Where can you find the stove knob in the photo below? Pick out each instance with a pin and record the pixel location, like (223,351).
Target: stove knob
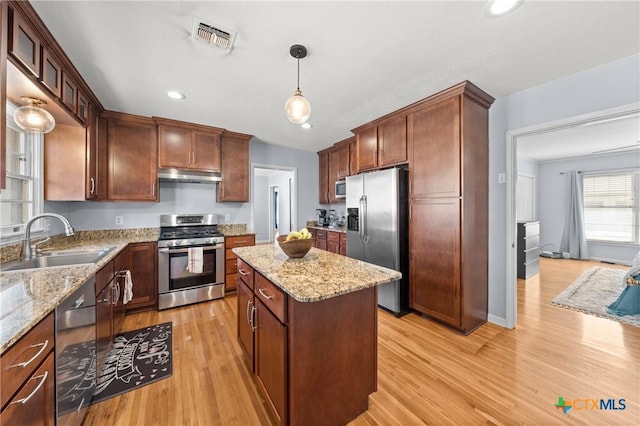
(170,243)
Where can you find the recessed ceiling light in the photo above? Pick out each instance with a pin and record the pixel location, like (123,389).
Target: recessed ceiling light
(174,94)
(306,125)
(501,7)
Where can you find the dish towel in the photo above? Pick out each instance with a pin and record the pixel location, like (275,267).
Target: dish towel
(194,260)
(128,287)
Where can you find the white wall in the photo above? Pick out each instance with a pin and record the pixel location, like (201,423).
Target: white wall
(555,199)
(606,86)
(178,198)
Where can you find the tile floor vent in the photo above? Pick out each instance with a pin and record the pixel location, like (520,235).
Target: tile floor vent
(212,35)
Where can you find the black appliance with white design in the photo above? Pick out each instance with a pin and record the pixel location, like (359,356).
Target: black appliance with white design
(178,284)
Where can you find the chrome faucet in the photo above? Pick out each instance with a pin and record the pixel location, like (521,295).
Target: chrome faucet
(26,253)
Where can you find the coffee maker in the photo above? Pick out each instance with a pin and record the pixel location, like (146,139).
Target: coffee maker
(321,219)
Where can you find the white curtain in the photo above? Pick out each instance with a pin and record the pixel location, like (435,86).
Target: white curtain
(573,240)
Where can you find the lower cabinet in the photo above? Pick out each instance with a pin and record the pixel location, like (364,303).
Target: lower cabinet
(142,260)
(230,270)
(333,241)
(27,391)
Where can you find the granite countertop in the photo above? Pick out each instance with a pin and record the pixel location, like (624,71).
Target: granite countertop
(318,276)
(30,295)
(342,229)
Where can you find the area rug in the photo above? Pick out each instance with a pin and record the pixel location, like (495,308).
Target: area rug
(593,292)
(137,358)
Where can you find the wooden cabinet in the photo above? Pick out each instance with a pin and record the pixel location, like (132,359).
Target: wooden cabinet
(382,143)
(105,293)
(24,43)
(282,338)
(51,73)
(323,177)
(448,241)
(27,391)
(528,249)
(343,243)
(82,109)
(188,146)
(69,92)
(3,94)
(321,239)
(333,241)
(141,259)
(230,268)
(234,152)
(132,152)
(74,162)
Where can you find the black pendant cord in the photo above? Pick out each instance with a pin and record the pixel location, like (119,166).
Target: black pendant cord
(298,69)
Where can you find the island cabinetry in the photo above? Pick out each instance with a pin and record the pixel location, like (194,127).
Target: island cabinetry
(188,146)
(449,166)
(234,152)
(230,264)
(312,364)
(382,143)
(27,390)
(132,158)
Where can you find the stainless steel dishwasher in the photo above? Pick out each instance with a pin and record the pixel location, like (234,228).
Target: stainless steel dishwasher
(76,354)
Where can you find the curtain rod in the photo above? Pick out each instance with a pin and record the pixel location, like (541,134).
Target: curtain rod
(604,171)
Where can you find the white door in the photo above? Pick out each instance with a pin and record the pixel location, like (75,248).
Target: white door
(525,199)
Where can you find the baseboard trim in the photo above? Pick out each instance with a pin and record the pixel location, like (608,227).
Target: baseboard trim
(616,261)
(502,322)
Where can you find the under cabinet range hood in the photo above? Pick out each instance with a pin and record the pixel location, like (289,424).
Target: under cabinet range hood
(188,176)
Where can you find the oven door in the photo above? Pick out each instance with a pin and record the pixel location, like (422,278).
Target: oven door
(173,274)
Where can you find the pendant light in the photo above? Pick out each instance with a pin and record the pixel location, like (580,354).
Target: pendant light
(32,118)
(297,108)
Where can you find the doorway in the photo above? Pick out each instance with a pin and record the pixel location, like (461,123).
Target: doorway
(274,201)
(513,136)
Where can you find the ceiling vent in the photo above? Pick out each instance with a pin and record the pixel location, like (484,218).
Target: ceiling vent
(212,35)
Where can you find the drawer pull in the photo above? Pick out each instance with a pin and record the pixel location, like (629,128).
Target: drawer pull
(243,272)
(24,364)
(241,242)
(28,397)
(265,295)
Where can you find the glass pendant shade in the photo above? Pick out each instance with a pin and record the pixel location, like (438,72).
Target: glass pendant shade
(34,119)
(297,108)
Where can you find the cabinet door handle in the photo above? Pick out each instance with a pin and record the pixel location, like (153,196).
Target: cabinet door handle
(265,295)
(153,189)
(28,397)
(93,186)
(193,157)
(24,364)
(253,317)
(243,272)
(247,313)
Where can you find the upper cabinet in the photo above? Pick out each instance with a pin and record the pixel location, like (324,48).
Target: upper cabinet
(51,73)
(334,164)
(188,146)
(132,148)
(24,43)
(382,143)
(234,151)
(323,176)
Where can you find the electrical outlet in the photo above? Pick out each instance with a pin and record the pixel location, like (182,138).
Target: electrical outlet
(502,178)
(227,218)
(119,220)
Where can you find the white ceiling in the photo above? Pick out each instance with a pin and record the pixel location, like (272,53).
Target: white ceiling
(365,59)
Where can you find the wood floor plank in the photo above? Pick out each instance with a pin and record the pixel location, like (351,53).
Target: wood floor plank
(427,373)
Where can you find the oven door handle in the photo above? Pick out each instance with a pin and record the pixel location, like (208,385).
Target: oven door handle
(185,250)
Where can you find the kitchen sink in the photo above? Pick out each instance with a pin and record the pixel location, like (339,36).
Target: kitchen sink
(59,258)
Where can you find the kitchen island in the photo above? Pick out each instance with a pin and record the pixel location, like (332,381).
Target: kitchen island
(308,328)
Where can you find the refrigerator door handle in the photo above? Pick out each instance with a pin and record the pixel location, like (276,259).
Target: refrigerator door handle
(362,212)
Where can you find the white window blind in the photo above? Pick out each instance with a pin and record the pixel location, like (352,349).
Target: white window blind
(611,207)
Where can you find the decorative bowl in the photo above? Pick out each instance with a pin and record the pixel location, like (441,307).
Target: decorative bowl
(295,248)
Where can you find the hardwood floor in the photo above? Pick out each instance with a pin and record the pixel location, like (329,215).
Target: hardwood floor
(427,374)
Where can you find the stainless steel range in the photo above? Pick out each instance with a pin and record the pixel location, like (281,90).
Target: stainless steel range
(190,260)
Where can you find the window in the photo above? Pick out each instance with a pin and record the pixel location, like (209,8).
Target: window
(22,198)
(611,207)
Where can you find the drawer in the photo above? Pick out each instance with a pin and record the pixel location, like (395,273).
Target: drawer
(239,241)
(231,266)
(531,254)
(321,234)
(530,269)
(343,239)
(230,282)
(272,297)
(333,237)
(245,273)
(531,242)
(229,254)
(23,357)
(531,229)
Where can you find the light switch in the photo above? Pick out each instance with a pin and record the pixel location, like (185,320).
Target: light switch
(119,220)
(227,218)
(502,178)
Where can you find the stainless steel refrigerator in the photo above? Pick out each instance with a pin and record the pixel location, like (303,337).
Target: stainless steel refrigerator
(377,229)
